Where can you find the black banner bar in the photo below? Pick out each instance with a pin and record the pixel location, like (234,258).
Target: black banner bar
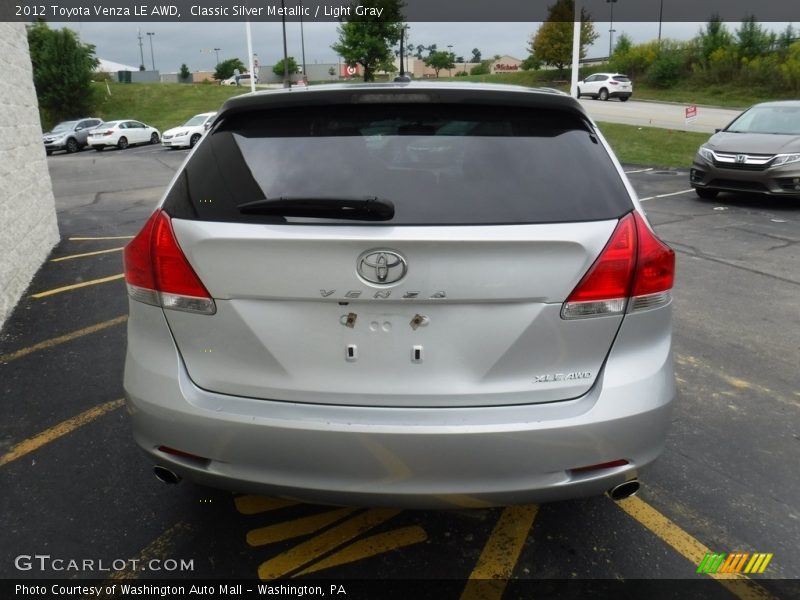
(75,11)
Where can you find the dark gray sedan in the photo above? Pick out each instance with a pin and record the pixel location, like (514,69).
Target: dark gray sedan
(758,152)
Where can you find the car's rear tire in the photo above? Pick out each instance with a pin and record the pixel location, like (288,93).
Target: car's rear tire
(122,143)
(72,145)
(623,98)
(706,193)
(603,94)
(154,138)
(193,140)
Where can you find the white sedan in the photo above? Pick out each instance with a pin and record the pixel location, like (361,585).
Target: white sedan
(188,134)
(122,134)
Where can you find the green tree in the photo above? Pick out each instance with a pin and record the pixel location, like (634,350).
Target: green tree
(185,74)
(787,37)
(226,68)
(532,63)
(484,68)
(369,40)
(439,60)
(62,73)
(476,56)
(752,40)
(293,66)
(623,45)
(552,42)
(715,37)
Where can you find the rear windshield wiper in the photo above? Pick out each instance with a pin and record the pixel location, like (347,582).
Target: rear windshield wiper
(361,209)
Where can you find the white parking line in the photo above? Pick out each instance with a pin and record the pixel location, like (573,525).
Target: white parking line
(666,195)
(639,171)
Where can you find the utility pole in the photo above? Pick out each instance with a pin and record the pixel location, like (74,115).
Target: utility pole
(141,52)
(150,34)
(286,82)
(216,51)
(611,28)
(303,44)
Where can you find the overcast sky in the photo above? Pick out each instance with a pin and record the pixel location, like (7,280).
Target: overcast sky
(192,43)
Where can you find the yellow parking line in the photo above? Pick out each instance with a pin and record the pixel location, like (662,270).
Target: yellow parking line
(690,548)
(304,553)
(500,554)
(114,237)
(252,505)
(67,337)
(95,253)
(76,286)
(371,546)
(296,527)
(57,431)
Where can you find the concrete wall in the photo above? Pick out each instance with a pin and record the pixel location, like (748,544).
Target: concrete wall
(28,228)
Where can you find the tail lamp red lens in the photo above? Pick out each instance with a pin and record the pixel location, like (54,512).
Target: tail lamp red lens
(633,264)
(157,272)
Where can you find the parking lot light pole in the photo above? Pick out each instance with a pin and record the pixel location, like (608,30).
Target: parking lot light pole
(150,34)
(611,28)
(216,51)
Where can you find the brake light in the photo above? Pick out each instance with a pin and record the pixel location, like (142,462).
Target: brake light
(157,272)
(109,132)
(614,82)
(634,265)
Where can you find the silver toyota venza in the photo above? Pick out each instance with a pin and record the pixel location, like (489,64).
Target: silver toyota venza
(401,294)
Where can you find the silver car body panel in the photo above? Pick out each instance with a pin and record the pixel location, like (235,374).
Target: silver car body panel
(415,457)
(263,390)
(486,342)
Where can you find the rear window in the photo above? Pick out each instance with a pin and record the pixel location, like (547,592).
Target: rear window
(620,78)
(438,164)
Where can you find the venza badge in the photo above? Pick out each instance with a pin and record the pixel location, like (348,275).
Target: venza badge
(381,266)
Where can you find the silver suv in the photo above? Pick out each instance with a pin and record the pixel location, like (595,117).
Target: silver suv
(69,135)
(401,294)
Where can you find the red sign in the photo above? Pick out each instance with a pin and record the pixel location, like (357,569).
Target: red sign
(691,112)
(351,71)
(505,67)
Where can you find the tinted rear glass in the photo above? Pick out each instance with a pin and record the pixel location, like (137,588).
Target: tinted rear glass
(620,78)
(438,164)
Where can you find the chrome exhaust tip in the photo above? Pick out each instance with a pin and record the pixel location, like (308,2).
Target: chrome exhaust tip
(624,490)
(165,475)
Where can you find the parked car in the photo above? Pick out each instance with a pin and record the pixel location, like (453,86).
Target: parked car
(188,134)
(69,135)
(244,79)
(372,294)
(758,152)
(605,86)
(122,134)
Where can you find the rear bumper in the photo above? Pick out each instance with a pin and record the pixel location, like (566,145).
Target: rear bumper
(476,456)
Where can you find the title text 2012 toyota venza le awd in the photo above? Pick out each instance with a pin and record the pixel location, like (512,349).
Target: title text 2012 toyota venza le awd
(402,294)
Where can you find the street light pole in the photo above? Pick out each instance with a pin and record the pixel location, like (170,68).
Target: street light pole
(611,29)
(303,44)
(141,51)
(216,51)
(450,51)
(660,18)
(286,83)
(150,34)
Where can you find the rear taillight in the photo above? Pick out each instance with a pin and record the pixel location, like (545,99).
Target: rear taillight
(635,265)
(158,273)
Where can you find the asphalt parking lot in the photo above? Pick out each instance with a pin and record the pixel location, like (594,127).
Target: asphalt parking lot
(75,486)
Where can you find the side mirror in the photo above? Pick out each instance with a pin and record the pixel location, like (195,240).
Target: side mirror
(717,130)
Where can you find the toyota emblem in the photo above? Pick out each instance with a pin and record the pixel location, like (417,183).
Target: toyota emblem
(381,266)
